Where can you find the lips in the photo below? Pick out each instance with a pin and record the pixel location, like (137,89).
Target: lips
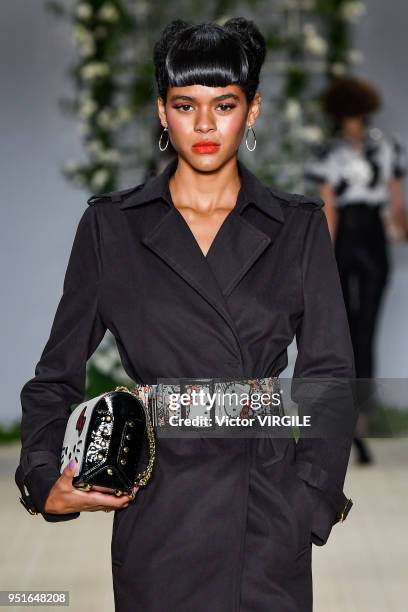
(206,146)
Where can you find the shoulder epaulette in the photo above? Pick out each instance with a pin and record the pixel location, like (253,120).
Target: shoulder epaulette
(112,196)
(310,201)
(297,199)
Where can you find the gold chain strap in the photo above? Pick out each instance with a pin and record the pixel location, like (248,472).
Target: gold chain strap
(143,477)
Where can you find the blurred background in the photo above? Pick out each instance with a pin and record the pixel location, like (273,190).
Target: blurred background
(78,116)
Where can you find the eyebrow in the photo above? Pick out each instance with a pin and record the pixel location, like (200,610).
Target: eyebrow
(191,98)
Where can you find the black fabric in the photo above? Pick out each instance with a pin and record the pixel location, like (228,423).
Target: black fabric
(363,263)
(190,540)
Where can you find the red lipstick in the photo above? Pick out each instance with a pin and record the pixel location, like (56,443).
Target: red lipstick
(206,146)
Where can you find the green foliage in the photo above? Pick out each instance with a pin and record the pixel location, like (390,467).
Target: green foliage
(388,421)
(11,433)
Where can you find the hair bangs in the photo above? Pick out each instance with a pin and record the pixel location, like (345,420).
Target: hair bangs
(212,59)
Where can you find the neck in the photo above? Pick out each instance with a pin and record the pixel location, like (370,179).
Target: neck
(205,190)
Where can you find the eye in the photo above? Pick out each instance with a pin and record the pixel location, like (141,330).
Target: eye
(182,106)
(226,107)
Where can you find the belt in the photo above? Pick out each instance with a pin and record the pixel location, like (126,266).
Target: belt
(212,397)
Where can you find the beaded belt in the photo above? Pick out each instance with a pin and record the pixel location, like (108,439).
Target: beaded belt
(213,397)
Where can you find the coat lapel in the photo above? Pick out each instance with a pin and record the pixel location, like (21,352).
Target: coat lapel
(172,240)
(234,251)
(236,247)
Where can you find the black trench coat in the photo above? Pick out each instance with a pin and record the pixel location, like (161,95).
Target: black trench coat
(225,525)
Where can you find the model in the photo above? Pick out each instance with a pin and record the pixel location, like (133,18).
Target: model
(360,171)
(202,272)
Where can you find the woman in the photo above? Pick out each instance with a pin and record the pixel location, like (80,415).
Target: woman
(360,173)
(201,272)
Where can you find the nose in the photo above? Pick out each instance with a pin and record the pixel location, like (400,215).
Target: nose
(204,121)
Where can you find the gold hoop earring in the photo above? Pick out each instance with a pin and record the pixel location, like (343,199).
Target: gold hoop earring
(246,138)
(160,140)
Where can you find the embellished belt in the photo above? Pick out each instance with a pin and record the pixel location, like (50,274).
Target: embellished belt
(195,397)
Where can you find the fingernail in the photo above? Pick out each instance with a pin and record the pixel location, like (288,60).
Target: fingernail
(71,464)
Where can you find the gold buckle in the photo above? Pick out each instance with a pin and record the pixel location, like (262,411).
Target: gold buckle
(30,510)
(346,510)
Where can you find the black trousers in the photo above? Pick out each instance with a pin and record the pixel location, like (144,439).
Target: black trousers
(363,263)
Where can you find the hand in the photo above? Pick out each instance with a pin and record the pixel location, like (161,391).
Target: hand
(64,498)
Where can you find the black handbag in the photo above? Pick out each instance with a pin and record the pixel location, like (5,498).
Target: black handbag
(108,436)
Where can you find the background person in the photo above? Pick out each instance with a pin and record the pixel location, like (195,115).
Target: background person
(360,173)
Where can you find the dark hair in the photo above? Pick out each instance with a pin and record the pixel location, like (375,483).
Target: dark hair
(348,96)
(209,54)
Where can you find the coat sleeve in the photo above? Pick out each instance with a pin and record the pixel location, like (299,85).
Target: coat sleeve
(323,378)
(60,373)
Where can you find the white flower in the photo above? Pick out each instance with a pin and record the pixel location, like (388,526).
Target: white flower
(104,361)
(95,146)
(314,43)
(87,108)
(311,134)
(338,68)
(87,47)
(107,156)
(93,70)
(355,56)
(123,114)
(71,166)
(80,33)
(99,179)
(108,12)
(112,353)
(222,19)
(84,39)
(292,110)
(104,118)
(352,10)
(84,10)
(110,156)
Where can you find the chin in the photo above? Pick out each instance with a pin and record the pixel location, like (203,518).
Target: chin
(206,163)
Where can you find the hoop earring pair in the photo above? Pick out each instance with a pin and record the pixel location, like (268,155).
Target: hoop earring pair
(246,139)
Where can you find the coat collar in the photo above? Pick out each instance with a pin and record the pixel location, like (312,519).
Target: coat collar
(235,249)
(252,191)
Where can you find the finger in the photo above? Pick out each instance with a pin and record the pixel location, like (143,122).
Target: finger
(69,471)
(96,499)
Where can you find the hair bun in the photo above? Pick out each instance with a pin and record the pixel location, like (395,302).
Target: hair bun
(251,38)
(168,36)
